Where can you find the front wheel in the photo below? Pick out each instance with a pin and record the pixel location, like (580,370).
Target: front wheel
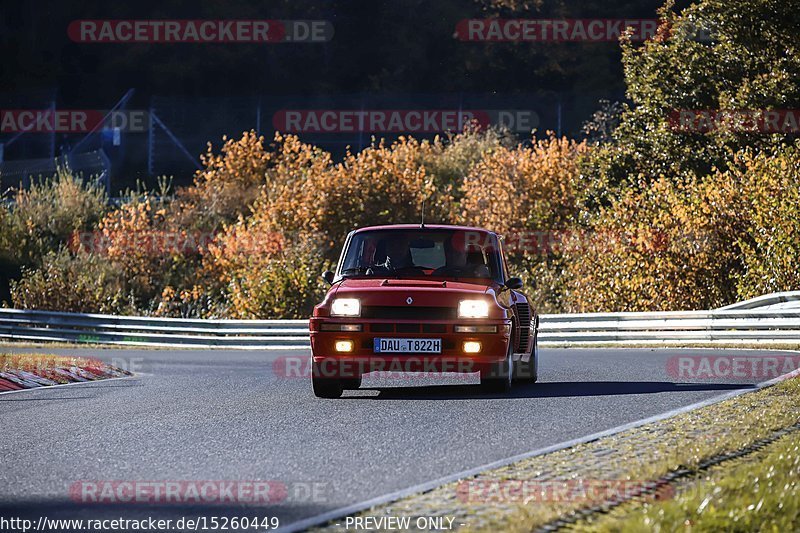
(351,383)
(325,387)
(528,371)
(497,378)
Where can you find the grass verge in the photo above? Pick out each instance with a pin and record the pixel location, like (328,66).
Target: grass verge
(637,456)
(681,442)
(758,493)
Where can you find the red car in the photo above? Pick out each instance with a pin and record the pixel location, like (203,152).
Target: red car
(422,298)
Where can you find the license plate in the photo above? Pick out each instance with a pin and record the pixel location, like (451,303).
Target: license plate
(395,345)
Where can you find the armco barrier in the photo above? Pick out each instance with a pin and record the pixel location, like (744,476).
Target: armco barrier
(28,325)
(721,326)
(679,327)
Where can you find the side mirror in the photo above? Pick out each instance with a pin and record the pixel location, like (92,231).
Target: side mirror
(514,283)
(328,276)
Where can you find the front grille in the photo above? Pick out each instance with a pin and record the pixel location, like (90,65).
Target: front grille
(403,327)
(523,311)
(410,312)
(407,328)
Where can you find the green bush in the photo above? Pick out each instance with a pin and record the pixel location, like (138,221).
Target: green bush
(771,245)
(9,267)
(282,284)
(82,283)
(665,246)
(677,219)
(449,160)
(41,219)
(696,244)
(46,215)
(748,64)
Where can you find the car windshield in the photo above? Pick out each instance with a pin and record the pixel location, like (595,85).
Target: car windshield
(422,253)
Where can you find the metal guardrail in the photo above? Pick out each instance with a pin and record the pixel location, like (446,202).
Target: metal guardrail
(775,300)
(680,327)
(721,326)
(26,325)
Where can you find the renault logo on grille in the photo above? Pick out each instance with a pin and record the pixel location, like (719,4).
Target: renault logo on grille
(409,300)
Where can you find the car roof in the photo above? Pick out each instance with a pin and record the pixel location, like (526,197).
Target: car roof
(426,226)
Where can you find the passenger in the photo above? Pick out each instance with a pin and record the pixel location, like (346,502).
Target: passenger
(475,262)
(456,261)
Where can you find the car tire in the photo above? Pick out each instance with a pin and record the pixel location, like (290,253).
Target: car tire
(498,377)
(351,383)
(325,387)
(528,371)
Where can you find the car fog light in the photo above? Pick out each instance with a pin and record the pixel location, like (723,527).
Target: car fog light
(344,346)
(472,347)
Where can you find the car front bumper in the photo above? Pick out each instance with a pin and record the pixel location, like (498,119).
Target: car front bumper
(363,359)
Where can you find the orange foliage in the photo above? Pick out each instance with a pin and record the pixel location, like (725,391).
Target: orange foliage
(379,185)
(667,246)
(227,185)
(519,188)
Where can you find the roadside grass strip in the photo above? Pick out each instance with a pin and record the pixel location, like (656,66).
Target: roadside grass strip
(759,491)
(30,371)
(643,465)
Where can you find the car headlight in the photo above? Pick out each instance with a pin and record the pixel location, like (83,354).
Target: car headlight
(346,307)
(473,309)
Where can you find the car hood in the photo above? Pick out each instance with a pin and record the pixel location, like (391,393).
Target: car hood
(428,293)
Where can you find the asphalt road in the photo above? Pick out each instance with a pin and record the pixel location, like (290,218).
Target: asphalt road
(226,415)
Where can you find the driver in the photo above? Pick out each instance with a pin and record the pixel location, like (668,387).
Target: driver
(398,255)
(464,261)
(456,260)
